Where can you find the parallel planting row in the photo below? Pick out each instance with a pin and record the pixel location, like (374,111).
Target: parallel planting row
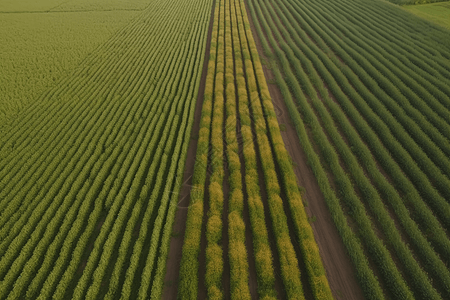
(244,182)
(90,172)
(368,90)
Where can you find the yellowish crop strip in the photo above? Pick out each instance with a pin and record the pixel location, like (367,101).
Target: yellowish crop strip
(214,255)
(188,287)
(236,226)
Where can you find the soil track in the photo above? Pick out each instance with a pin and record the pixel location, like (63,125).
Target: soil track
(179,227)
(340,271)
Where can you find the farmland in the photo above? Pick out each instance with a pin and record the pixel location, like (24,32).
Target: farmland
(223,149)
(373,120)
(438,13)
(240,156)
(38,49)
(89,167)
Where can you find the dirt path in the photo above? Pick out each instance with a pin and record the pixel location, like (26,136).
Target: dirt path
(337,263)
(176,242)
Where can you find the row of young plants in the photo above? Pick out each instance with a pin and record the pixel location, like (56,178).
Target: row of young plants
(158,281)
(159,222)
(170,133)
(294,58)
(412,2)
(100,165)
(237,252)
(163,224)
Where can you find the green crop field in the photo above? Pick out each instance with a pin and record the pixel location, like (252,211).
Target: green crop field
(224,149)
(38,49)
(438,13)
(368,91)
(416,2)
(91,165)
(25,6)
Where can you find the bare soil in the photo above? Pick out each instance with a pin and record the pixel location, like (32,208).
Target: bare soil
(179,227)
(340,271)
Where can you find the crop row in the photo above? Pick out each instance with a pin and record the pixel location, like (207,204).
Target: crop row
(237,252)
